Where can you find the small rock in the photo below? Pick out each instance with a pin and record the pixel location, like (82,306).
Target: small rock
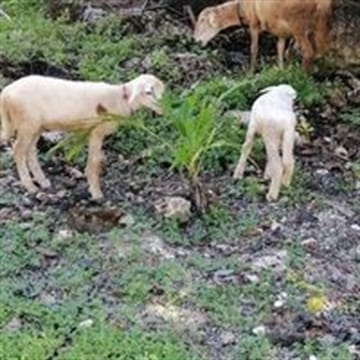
(61,194)
(252,278)
(227,338)
(224,276)
(86,324)
(47,298)
(275,226)
(281,299)
(64,234)
(185,318)
(321,172)
(312,357)
(174,207)
(279,303)
(355,227)
(13,325)
(274,261)
(309,241)
(26,214)
(127,220)
(156,246)
(342,153)
(259,330)
(93,15)
(74,173)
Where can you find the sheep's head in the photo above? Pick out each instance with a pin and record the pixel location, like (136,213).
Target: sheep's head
(207,25)
(146,90)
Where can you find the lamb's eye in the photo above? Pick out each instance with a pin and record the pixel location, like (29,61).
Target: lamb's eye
(150,92)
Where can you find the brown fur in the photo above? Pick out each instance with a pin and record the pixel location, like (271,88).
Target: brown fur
(304,20)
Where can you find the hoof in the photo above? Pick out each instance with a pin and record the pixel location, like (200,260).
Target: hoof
(46,184)
(271,197)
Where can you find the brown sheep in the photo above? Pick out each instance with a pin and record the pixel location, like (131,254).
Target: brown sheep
(304,20)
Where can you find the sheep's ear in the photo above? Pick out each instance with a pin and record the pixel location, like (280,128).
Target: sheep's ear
(213,21)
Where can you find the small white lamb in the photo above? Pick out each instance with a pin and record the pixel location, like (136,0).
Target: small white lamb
(273,117)
(35,104)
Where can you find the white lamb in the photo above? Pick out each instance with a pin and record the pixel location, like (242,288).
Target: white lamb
(34,104)
(272,116)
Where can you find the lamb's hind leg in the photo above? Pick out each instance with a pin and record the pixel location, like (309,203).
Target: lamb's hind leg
(35,167)
(275,167)
(93,166)
(288,156)
(21,149)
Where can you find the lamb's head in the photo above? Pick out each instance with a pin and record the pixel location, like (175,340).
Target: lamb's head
(207,25)
(283,90)
(146,91)
(287,90)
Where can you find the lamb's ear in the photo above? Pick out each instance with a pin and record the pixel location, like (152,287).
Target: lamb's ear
(267,89)
(134,93)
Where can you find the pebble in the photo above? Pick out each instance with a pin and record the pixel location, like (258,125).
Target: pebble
(13,325)
(227,338)
(259,330)
(86,324)
(355,227)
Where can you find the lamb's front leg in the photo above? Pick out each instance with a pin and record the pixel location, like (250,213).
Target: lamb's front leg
(21,149)
(93,166)
(245,151)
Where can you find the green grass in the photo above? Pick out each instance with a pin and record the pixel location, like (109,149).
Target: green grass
(52,284)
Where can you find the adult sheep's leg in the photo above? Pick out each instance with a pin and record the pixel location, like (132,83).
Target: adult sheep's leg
(21,149)
(280,50)
(276,169)
(254,32)
(35,167)
(93,166)
(288,156)
(245,151)
(307,50)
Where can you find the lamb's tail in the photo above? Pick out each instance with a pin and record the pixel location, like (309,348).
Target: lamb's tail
(6,131)
(321,31)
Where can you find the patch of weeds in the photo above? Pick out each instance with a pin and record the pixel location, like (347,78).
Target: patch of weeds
(322,352)
(351,116)
(251,188)
(253,347)
(68,45)
(355,167)
(242,92)
(136,282)
(296,255)
(224,303)
(297,192)
(102,341)
(18,244)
